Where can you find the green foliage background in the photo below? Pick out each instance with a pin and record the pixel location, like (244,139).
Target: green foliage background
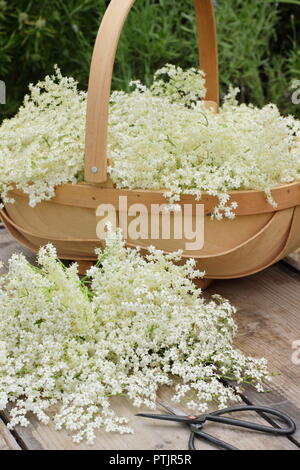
(258,44)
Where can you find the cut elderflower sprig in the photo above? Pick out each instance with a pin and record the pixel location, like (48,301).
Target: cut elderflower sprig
(159,137)
(140,324)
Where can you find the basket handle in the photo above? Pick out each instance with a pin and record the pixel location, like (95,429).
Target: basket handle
(101,75)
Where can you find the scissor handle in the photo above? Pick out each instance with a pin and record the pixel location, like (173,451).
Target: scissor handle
(216,416)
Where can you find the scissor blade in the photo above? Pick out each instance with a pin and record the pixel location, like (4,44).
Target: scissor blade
(176,418)
(170,409)
(209,438)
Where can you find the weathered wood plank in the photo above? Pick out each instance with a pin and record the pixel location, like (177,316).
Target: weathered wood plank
(148,434)
(7,440)
(269,324)
(8,246)
(293,260)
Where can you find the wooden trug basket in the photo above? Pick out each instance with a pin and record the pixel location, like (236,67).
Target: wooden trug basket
(259,235)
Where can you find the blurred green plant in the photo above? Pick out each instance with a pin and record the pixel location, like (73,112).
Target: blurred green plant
(258,44)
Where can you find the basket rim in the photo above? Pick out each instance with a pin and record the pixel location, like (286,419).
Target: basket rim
(250,202)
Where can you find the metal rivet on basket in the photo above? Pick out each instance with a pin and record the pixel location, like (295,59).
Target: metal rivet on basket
(94,169)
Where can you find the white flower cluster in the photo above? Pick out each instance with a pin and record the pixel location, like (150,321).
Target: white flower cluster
(128,327)
(156,143)
(160,137)
(178,85)
(43,145)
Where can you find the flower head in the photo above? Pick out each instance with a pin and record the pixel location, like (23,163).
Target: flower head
(134,325)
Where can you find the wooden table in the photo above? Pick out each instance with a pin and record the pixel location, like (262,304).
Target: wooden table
(269,325)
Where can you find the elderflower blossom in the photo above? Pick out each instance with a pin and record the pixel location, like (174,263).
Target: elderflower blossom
(43,145)
(178,85)
(160,137)
(155,144)
(127,328)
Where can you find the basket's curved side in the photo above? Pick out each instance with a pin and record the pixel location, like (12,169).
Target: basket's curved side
(293,241)
(276,238)
(101,76)
(78,249)
(261,251)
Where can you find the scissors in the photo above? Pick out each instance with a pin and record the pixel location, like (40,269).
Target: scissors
(196,423)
